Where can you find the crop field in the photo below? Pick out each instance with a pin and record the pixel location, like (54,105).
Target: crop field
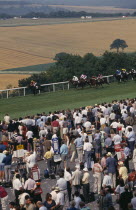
(10,79)
(33,45)
(26,46)
(22,106)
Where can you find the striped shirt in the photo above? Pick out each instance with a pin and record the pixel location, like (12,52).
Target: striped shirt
(97,169)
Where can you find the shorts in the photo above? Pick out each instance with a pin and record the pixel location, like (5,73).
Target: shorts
(65,131)
(97,150)
(2,166)
(64,157)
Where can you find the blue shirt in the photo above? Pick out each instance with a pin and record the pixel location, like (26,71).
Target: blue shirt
(64,149)
(2,156)
(7,160)
(111,164)
(2,147)
(79,142)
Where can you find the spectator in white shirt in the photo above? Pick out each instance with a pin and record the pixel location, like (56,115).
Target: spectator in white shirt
(30,185)
(117,139)
(77,199)
(31,160)
(67,177)
(87,150)
(22,197)
(17,185)
(87,125)
(6,118)
(60,198)
(29,136)
(106,180)
(78,120)
(114,125)
(102,122)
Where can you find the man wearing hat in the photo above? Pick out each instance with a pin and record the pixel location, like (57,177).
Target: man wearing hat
(111,164)
(85,182)
(60,198)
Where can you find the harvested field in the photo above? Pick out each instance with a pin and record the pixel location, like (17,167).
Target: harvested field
(10,79)
(94,9)
(32,45)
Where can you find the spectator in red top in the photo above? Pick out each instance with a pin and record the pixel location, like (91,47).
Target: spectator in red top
(4,198)
(55,125)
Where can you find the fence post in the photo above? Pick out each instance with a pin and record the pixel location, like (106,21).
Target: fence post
(53,88)
(24,92)
(39,91)
(7,94)
(68,85)
(63,86)
(108,80)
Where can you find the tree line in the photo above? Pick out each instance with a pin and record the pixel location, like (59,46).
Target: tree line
(65,14)
(69,65)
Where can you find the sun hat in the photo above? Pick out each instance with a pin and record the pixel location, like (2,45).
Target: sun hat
(109,154)
(57,189)
(5,152)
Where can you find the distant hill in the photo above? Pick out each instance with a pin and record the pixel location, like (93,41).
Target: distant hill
(21,7)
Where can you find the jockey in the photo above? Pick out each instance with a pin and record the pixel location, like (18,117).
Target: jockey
(75,79)
(93,77)
(83,76)
(118,72)
(32,83)
(123,71)
(134,71)
(100,76)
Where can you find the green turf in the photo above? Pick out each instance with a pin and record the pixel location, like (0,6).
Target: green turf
(21,106)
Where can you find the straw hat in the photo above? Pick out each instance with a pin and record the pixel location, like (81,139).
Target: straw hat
(57,189)
(109,154)
(5,152)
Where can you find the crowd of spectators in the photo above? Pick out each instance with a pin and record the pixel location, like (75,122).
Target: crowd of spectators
(93,144)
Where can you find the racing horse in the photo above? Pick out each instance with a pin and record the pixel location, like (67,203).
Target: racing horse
(97,82)
(80,83)
(132,74)
(34,87)
(122,77)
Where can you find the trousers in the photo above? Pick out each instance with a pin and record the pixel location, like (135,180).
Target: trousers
(4,202)
(97,183)
(80,154)
(7,170)
(113,178)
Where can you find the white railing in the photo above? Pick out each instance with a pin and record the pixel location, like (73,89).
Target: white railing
(9,92)
(12,90)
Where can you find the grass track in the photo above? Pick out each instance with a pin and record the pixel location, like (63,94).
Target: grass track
(21,106)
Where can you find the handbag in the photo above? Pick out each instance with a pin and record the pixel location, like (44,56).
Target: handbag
(57,158)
